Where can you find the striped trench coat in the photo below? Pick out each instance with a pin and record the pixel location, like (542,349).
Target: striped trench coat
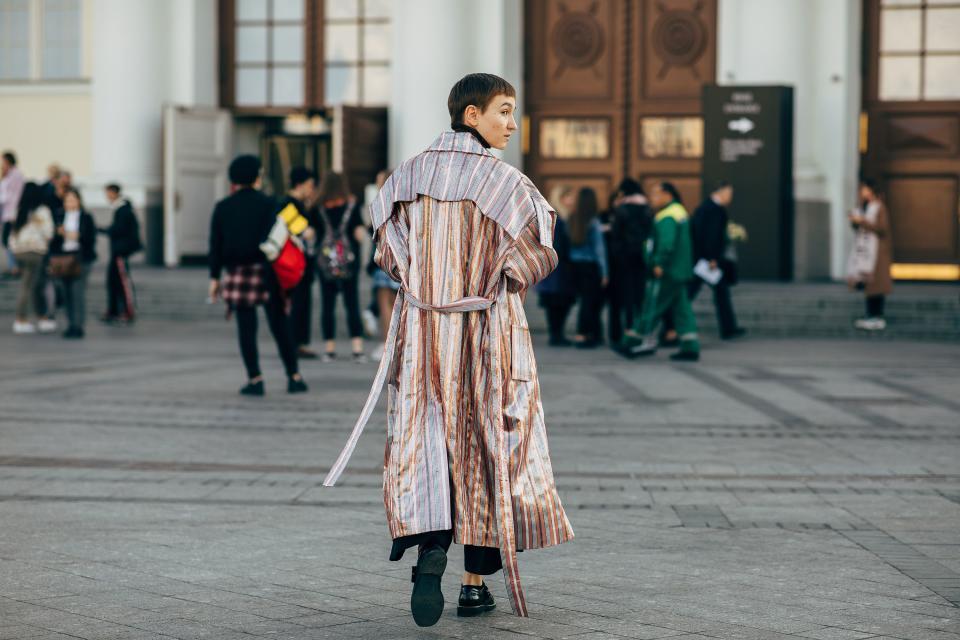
(464,234)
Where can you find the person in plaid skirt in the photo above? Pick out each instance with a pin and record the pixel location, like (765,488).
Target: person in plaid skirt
(240,222)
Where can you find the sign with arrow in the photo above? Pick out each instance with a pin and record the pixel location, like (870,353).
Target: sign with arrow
(743,125)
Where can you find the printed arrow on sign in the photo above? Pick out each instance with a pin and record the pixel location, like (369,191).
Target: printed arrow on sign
(743,125)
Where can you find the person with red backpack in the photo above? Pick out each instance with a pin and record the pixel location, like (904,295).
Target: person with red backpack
(340,230)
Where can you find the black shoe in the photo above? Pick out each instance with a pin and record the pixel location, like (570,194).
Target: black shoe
(296,386)
(475,600)
(426,602)
(252,389)
(686,356)
(73,333)
(739,332)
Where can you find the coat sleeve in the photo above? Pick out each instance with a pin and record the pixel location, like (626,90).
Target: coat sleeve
(216,241)
(528,261)
(881,226)
(665,244)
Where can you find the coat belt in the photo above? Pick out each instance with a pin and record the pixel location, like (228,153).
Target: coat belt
(504,500)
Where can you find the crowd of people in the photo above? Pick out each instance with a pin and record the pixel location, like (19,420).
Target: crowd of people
(644,259)
(50,244)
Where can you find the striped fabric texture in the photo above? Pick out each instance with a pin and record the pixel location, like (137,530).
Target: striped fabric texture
(464,234)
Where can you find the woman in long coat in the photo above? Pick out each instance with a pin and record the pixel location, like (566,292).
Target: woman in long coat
(871,220)
(465,234)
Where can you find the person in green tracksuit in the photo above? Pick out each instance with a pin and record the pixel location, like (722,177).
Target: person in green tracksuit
(671,257)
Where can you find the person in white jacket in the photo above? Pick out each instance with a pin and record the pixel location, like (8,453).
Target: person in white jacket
(29,242)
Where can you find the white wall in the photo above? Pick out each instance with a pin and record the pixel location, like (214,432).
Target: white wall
(437,42)
(813,45)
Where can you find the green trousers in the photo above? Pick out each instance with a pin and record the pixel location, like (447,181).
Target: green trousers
(663,295)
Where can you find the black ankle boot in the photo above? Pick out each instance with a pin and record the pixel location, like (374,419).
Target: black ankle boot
(426,602)
(295,385)
(252,389)
(475,600)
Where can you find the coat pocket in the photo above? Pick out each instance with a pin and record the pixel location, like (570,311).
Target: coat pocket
(521,353)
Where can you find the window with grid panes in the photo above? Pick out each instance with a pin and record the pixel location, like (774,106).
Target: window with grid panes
(919,50)
(40,40)
(357,48)
(269,53)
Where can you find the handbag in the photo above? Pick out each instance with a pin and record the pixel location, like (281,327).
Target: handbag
(65,266)
(289,266)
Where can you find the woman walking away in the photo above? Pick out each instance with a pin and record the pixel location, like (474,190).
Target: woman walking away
(340,230)
(556,291)
(71,255)
(869,265)
(29,241)
(588,262)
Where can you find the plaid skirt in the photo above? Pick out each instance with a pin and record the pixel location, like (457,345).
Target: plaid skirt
(245,286)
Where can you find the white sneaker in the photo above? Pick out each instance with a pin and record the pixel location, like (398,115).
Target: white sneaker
(876,324)
(862,323)
(370,324)
(21,328)
(47,325)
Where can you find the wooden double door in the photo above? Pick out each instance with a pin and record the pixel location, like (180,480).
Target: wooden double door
(613,89)
(910,130)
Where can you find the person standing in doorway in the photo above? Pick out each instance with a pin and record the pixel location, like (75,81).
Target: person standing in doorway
(301,221)
(11,188)
(708,228)
(240,223)
(871,223)
(588,264)
(671,268)
(72,254)
(124,235)
(340,231)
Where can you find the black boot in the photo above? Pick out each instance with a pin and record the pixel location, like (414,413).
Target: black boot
(252,389)
(296,385)
(475,600)
(426,602)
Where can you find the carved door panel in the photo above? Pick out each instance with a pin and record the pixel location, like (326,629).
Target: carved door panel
(910,137)
(613,89)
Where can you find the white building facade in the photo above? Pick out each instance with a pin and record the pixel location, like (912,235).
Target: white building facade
(84,83)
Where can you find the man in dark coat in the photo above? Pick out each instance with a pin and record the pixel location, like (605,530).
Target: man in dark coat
(630,229)
(124,234)
(708,228)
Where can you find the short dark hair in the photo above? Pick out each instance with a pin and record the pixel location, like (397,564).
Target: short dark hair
(672,190)
(113,186)
(244,170)
(476,89)
(630,187)
(299,175)
(9,157)
(334,187)
(720,184)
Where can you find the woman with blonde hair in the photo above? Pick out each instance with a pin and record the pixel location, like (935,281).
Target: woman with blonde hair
(29,240)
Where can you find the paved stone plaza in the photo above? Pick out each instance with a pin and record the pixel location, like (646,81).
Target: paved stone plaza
(802,489)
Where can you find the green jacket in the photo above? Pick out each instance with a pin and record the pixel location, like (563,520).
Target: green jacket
(672,247)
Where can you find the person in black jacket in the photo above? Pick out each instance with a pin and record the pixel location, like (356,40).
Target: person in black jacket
(124,234)
(303,183)
(708,228)
(240,223)
(75,236)
(630,229)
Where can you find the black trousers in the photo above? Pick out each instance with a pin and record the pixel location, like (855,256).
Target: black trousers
(722,302)
(557,307)
(351,300)
(279,326)
(875,306)
(301,307)
(627,289)
(120,297)
(586,280)
(482,561)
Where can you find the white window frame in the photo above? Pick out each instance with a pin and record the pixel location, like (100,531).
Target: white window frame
(36,78)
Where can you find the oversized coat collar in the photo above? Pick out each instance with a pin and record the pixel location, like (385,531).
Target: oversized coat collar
(464,142)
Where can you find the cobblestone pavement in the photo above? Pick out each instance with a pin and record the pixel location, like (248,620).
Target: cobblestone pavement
(777,489)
